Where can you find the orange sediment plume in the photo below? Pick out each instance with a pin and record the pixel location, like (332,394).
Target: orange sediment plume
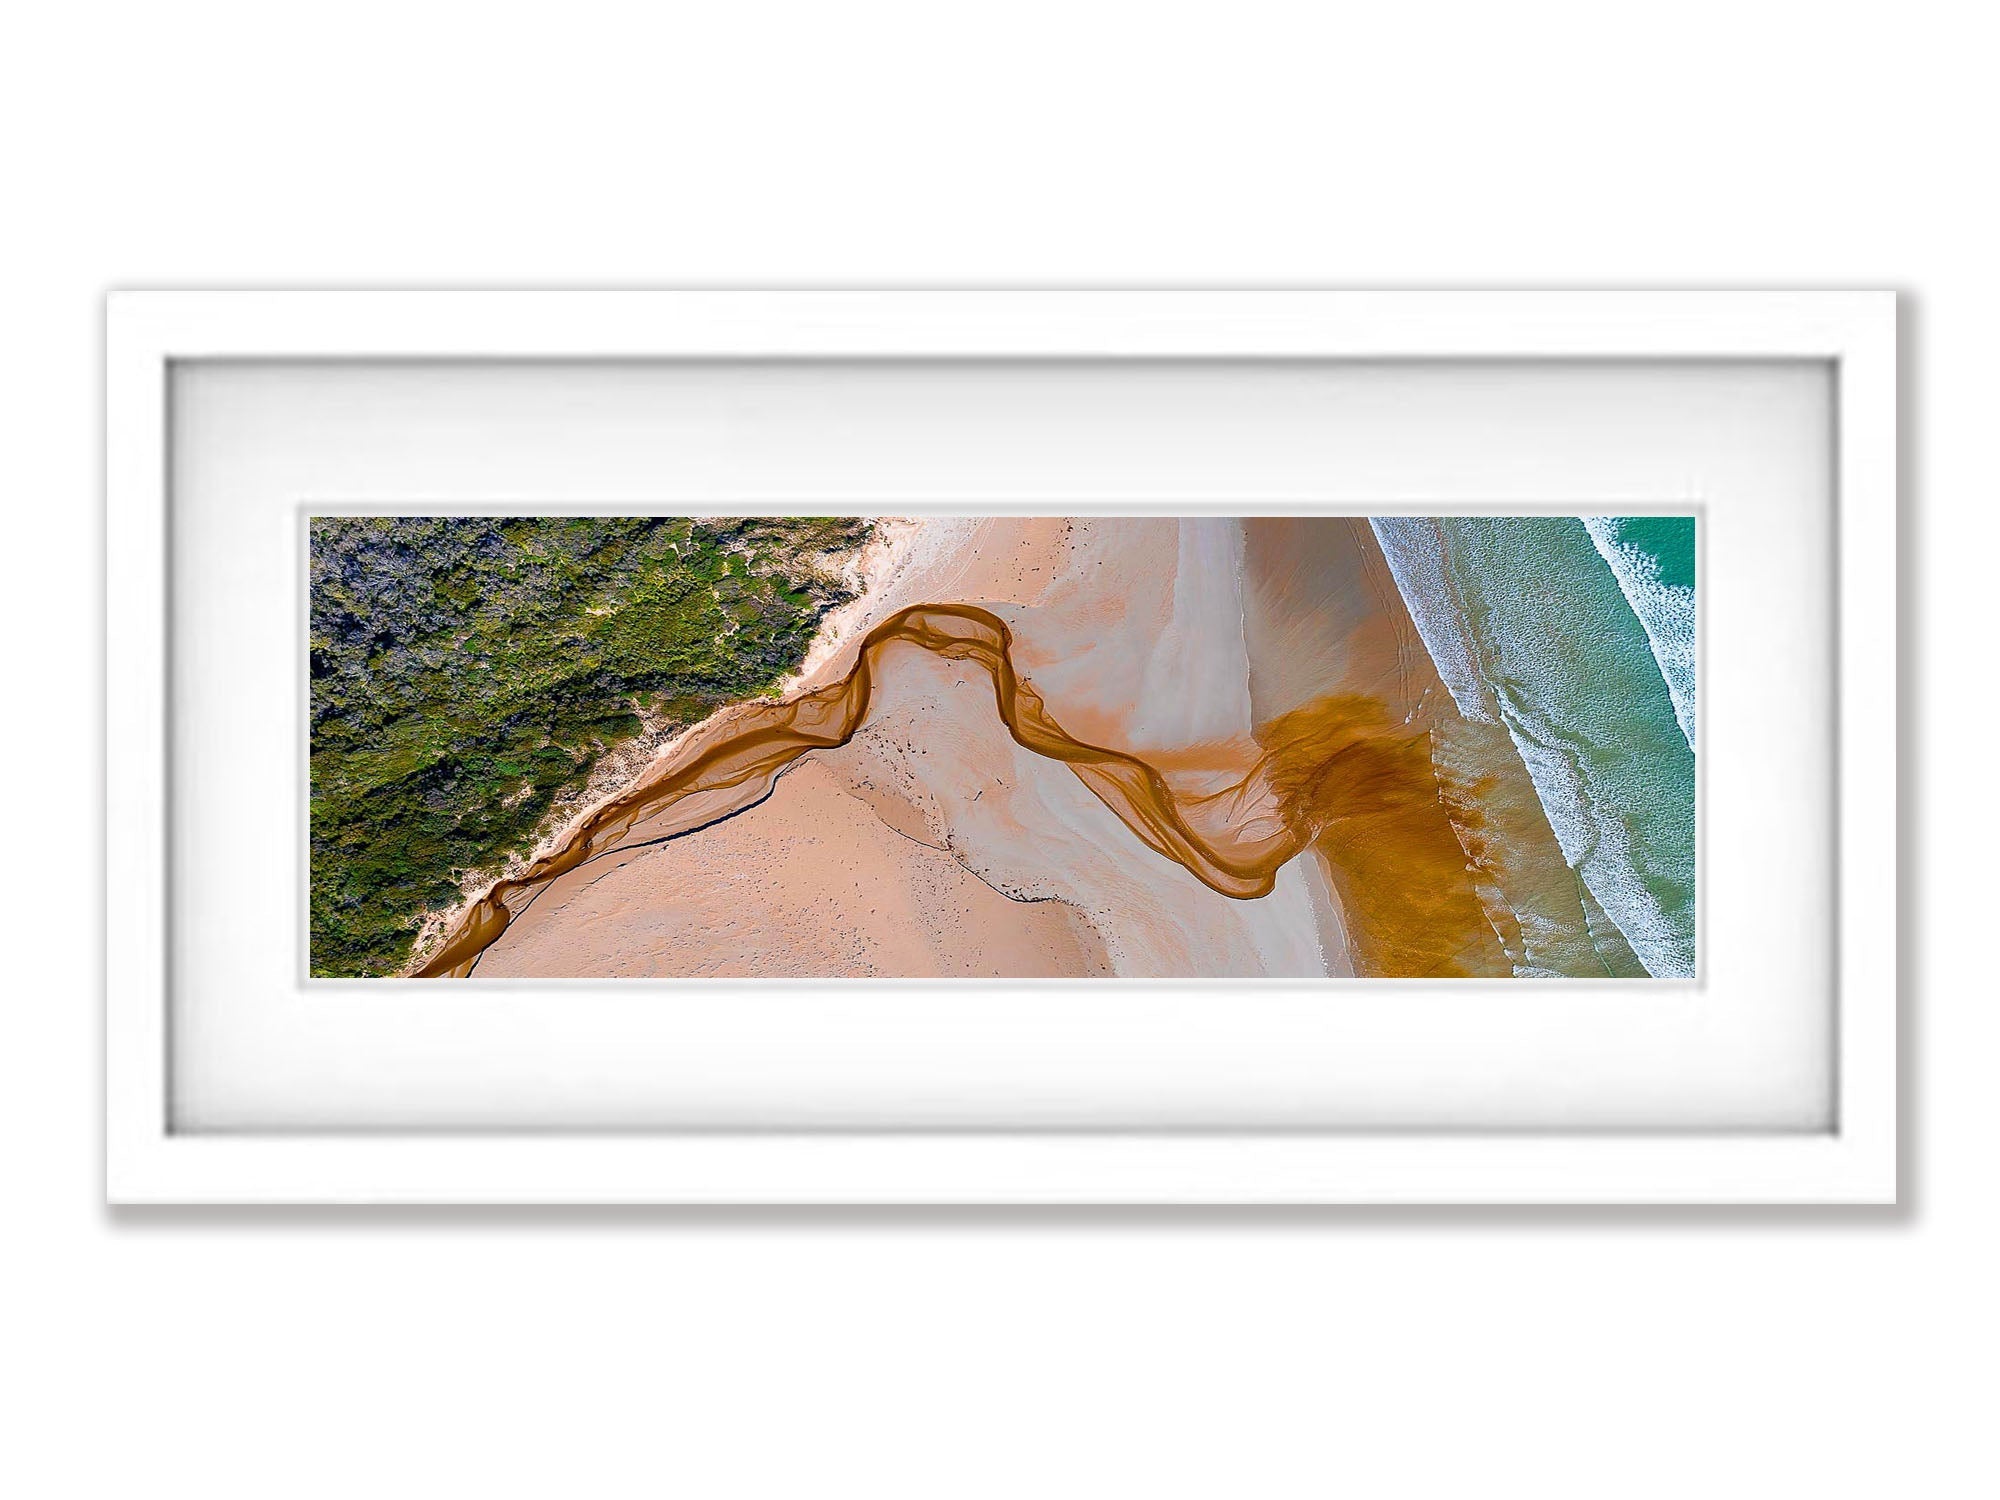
(1366,789)
(1341,775)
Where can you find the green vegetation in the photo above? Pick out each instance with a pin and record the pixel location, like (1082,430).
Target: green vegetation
(468,672)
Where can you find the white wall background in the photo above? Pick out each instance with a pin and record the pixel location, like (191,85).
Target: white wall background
(1445,1354)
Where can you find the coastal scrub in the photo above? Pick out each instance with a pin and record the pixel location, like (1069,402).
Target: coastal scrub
(469,672)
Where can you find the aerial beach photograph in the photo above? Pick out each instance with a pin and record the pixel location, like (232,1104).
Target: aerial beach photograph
(1020,747)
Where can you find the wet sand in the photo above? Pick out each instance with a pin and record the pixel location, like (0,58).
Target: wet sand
(1323,615)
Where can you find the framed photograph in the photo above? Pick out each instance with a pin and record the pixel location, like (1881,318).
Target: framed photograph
(1010,747)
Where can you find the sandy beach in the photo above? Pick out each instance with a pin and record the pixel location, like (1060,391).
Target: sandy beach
(1284,786)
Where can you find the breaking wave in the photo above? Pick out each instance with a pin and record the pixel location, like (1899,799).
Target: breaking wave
(1652,557)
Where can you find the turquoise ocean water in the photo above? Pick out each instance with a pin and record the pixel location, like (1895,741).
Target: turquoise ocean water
(1578,634)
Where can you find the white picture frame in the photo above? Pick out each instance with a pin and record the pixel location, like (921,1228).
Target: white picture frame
(1853,1160)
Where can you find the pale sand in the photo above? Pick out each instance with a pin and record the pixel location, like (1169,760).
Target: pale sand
(940,560)
(810,882)
(1135,635)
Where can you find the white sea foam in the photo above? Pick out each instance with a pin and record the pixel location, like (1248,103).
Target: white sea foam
(1667,611)
(1416,560)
